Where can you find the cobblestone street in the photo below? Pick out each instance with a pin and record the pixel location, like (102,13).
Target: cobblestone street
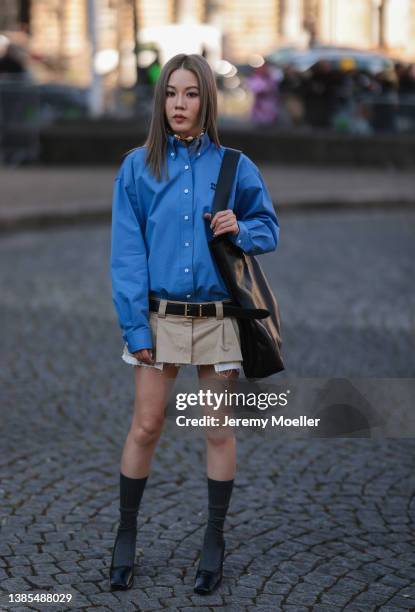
(313,525)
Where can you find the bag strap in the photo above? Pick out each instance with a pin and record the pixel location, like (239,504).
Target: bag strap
(225,180)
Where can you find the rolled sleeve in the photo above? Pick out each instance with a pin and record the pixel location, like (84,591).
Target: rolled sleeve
(254,210)
(128,263)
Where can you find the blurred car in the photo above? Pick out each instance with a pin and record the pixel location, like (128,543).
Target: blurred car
(26,98)
(27,107)
(42,102)
(337,57)
(59,101)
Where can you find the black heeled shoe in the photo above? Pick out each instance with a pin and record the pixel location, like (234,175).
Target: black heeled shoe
(121,576)
(206,581)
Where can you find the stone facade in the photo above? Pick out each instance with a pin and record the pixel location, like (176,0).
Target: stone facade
(58,29)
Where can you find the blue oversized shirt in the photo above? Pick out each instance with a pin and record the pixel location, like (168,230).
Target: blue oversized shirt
(159,239)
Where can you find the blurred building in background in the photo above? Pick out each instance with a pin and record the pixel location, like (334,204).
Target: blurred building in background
(57,34)
(345,65)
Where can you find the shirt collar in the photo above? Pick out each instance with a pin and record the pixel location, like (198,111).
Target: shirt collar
(197,147)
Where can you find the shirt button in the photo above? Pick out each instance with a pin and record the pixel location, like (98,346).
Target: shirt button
(198,154)
(171,154)
(186,244)
(186,269)
(189,295)
(239,241)
(186,191)
(186,217)
(186,167)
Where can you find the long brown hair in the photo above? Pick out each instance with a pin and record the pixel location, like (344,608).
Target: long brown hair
(157,136)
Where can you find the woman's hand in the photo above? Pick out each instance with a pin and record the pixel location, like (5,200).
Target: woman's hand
(145,355)
(223,222)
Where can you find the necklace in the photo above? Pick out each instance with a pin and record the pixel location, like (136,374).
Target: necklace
(188,138)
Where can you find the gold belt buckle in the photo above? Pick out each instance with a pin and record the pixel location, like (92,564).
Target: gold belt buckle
(200,313)
(199,316)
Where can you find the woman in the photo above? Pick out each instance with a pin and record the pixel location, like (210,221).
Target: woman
(169,297)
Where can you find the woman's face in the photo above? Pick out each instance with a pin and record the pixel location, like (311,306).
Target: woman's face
(183,103)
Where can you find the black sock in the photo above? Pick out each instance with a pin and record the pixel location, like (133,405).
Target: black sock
(219,495)
(131,491)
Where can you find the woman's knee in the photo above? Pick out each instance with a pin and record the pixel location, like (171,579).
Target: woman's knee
(219,439)
(146,432)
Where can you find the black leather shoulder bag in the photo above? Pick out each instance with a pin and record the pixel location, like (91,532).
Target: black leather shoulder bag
(248,287)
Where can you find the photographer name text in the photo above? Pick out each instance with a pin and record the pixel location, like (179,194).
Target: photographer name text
(263,422)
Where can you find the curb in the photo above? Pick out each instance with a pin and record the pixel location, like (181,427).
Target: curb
(47,219)
(44,220)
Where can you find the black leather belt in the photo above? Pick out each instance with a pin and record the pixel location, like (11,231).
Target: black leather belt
(192,310)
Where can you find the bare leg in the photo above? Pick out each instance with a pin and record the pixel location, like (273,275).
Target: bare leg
(152,392)
(221,467)
(152,389)
(220,446)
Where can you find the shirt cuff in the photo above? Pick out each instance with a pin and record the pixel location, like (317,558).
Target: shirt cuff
(242,239)
(139,339)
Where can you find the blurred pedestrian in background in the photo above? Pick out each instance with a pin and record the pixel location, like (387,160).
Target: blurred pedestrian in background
(12,61)
(264,84)
(319,90)
(291,96)
(386,105)
(150,73)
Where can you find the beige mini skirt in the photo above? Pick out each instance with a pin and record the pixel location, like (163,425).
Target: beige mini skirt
(184,341)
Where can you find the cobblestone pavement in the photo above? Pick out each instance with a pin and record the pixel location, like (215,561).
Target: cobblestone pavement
(313,524)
